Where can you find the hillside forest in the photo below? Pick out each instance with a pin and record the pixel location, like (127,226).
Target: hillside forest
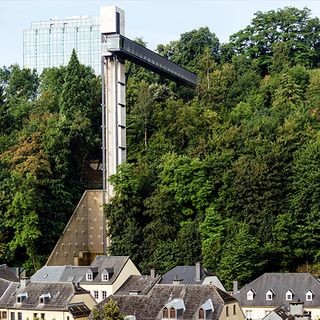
(227,174)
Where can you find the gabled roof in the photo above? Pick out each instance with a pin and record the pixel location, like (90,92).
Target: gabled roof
(280,283)
(60,295)
(150,306)
(106,262)
(54,274)
(187,274)
(7,274)
(140,284)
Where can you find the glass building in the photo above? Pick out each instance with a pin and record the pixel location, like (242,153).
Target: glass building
(50,43)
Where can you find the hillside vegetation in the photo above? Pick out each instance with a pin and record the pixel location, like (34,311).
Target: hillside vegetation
(228,173)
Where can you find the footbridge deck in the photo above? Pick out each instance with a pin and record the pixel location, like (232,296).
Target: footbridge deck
(129,50)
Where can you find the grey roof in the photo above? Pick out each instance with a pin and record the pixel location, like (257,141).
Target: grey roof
(106,262)
(150,306)
(4,285)
(280,283)
(280,313)
(139,284)
(186,274)
(60,293)
(7,274)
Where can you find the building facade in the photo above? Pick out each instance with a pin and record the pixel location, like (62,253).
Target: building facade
(50,43)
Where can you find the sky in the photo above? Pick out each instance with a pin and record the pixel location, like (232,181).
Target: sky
(156,21)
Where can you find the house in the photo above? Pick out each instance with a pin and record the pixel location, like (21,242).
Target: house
(271,290)
(179,301)
(49,301)
(191,275)
(295,311)
(102,278)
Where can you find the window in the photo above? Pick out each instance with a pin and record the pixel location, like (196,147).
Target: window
(68,318)
(35,316)
(269,295)
(249,314)
(105,277)
(12,317)
(96,294)
(42,316)
(289,295)
(309,295)
(4,314)
(89,276)
(104,295)
(201,313)
(250,294)
(227,311)
(172,313)
(234,309)
(165,313)
(19,316)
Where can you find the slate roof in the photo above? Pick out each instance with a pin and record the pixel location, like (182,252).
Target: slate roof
(7,274)
(280,313)
(186,274)
(54,274)
(139,284)
(149,307)
(106,262)
(60,293)
(280,283)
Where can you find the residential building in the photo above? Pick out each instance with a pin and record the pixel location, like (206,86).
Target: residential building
(102,278)
(179,301)
(191,275)
(49,301)
(50,43)
(271,290)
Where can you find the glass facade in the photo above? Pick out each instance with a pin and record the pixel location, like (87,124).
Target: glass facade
(50,43)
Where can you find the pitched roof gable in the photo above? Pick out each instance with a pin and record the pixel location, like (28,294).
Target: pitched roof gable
(116,263)
(280,283)
(150,306)
(187,274)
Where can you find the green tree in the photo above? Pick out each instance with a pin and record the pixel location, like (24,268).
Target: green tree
(111,311)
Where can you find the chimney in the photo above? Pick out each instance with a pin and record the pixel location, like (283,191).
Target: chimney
(153,273)
(297,308)
(235,286)
(198,271)
(24,282)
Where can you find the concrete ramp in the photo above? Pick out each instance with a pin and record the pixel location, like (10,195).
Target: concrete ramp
(82,238)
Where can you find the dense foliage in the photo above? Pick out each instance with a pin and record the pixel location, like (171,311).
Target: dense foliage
(227,174)
(49,126)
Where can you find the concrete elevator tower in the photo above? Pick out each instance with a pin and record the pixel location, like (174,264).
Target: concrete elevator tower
(113,99)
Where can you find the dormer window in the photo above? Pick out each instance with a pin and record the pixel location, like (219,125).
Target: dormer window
(44,298)
(251,294)
(21,297)
(173,309)
(269,295)
(205,310)
(107,274)
(89,276)
(289,295)
(309,295)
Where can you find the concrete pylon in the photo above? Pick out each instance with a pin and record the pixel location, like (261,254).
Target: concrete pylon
(113,105)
